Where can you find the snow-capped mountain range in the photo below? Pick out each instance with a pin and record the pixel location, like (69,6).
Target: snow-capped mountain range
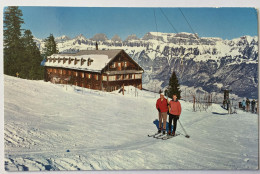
(208,62)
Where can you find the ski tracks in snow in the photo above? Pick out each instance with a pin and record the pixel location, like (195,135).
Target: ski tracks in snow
(101,158)
(102,131)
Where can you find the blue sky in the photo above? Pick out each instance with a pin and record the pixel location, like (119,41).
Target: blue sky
(226,23)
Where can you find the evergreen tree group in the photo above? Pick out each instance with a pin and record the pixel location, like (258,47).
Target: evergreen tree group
(21,55)
(174,87)
(50,46)
(13,47)
(31,67)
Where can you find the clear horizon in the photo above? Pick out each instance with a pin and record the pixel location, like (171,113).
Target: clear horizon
(226,23)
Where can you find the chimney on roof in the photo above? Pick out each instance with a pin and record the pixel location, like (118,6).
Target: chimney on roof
(96,46)
(89,61)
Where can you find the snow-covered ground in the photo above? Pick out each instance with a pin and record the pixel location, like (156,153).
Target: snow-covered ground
(55,127)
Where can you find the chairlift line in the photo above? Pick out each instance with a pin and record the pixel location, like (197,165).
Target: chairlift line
(181,55)
(169,21)
(156,25)
(196,36)
(188,23)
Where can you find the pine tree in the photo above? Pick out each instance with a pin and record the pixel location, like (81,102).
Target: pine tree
(13,47)
(50,46)
(174,87)
(21,54)
(33,58)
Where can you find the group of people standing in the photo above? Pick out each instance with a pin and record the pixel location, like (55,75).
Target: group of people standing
(245,105)
(171,108)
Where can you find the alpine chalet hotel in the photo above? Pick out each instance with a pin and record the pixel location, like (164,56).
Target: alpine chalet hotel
(105,70)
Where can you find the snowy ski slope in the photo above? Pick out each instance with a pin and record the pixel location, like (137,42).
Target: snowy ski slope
(55,127)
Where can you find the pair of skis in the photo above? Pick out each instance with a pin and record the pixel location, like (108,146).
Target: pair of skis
(162,136)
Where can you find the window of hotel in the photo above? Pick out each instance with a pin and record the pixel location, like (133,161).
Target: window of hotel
(119,77)
(64,72)
(89,76)
(82,75)
(138,76)
(96,77)
(125,64)
(76,74)
(104,78)
(131,76)
(111,78)
(126,76)
(119,64)
(113,65)
(55,70)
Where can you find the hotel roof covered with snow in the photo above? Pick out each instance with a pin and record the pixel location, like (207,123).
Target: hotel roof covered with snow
(106,70)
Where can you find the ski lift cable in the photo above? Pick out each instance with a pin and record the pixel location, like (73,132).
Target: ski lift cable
(156,25)
(188,22)
(196,36)
(169,21)
(157,32)
(175,32)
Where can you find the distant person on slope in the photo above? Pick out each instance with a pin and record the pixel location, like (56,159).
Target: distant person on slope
(162,107)
(256,106)
(224,104)
(253,106)
(228,106)
(175,112)
(247,105)
(243,104)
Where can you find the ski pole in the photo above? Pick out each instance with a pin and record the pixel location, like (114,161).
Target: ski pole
(186,135)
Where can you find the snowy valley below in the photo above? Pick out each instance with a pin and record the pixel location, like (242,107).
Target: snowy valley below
(56,127)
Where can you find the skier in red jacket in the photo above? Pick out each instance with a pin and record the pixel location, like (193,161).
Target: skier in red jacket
(162,107)
(174,114)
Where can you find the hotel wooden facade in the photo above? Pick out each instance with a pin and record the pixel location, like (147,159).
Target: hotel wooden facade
(106,70)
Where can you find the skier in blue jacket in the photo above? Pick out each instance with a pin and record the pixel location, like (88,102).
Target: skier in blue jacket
(243,104)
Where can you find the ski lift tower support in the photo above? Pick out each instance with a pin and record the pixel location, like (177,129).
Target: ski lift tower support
(226,93)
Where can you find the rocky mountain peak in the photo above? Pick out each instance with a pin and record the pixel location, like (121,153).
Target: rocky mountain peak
(99,37)
(132,37)
(153,36)
(80,37)
(116,38)
(62,38)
